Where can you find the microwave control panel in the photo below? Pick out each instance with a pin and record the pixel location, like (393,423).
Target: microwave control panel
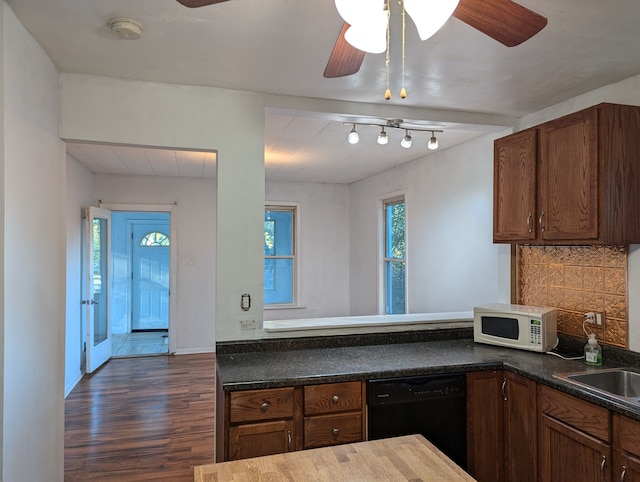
(535,332)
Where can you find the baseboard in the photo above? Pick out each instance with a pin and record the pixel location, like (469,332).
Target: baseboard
(71,385)
(195,351)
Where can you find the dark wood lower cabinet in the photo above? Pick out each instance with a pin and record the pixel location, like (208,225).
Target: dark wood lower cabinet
(502,427)
(485,415)
(575,439)
(570,455)
(256,439)
(626,468)
(520,428)
(252,423)
(626,454)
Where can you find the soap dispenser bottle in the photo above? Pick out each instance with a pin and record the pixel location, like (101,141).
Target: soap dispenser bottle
(592,351)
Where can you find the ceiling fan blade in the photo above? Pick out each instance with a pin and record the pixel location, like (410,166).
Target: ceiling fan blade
(199,3)
(345,59)
(503,20)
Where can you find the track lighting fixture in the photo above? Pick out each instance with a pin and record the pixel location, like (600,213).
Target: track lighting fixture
(433,142)
(406,140)
(353,136)
(383,138)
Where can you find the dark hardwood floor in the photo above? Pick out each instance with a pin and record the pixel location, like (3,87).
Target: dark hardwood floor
(147,418)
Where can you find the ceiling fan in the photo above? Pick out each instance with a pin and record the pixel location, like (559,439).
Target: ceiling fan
(503,20)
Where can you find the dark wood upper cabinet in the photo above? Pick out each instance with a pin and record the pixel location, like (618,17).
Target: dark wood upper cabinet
(514,187)
(573,180)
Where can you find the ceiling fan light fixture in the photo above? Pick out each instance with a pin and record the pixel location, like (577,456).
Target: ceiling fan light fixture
(429,17)
(406,141)
(433,142)
(383,138)
(369,34)
(353,136)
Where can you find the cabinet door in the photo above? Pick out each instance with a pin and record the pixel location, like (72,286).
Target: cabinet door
(626,467)
(569,455)
(626,442)
(485,425)
(520,428)
(257,439)
(569,178)
(514,187)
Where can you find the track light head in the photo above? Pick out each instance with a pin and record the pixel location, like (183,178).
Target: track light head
(382,137)
(406,140)
(353,137)
(433,142)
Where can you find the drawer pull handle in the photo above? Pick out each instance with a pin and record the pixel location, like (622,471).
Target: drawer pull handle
(503,389)
(335,431)
(335,398)
(264,406)
(624,473)
(602,465)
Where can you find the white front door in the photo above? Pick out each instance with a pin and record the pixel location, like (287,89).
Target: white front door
(96,286)
(150,276)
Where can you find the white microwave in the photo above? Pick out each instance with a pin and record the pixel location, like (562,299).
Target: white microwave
(532,328)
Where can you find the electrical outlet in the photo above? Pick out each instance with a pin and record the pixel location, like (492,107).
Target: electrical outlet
(590,317)
(247,324)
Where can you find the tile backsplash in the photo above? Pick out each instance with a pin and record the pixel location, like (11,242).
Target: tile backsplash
(577,279)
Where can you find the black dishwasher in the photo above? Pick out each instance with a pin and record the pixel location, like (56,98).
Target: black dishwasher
(433,405)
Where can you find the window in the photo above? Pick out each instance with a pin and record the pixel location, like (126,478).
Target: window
(279,255)
(154,239)
(394,256)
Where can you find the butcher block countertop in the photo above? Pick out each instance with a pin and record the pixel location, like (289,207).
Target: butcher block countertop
(410,457)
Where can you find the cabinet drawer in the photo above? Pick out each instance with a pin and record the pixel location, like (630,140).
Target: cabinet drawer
(577,413)
(324,430)
(332,397)
(267,404)
(626,432)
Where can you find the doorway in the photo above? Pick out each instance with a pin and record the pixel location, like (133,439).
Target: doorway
(141,250)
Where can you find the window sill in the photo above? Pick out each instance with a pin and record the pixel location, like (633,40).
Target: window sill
(284,307)
(330,323)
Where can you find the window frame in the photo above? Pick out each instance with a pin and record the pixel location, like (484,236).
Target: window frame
(295,256)
(389,199)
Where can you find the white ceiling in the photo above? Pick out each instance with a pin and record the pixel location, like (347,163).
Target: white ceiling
(282,46)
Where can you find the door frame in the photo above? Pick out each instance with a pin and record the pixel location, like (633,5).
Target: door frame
(172,209)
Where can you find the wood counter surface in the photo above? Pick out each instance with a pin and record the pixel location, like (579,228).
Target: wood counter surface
(407,458)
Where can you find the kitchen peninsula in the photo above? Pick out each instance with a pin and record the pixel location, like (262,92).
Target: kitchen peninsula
(295,364)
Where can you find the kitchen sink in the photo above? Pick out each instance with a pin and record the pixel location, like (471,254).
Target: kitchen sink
(620,383)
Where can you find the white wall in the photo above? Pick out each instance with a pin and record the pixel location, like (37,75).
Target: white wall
(79,185)
(34,262)
(193,326)
(452,263)
(152,114)
(624,92)
(324,248)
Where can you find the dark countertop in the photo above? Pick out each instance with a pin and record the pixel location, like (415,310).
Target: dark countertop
(300,365)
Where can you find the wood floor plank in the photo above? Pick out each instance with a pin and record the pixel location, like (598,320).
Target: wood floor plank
(148,418)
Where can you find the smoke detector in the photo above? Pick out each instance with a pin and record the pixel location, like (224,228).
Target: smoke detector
(125,27)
